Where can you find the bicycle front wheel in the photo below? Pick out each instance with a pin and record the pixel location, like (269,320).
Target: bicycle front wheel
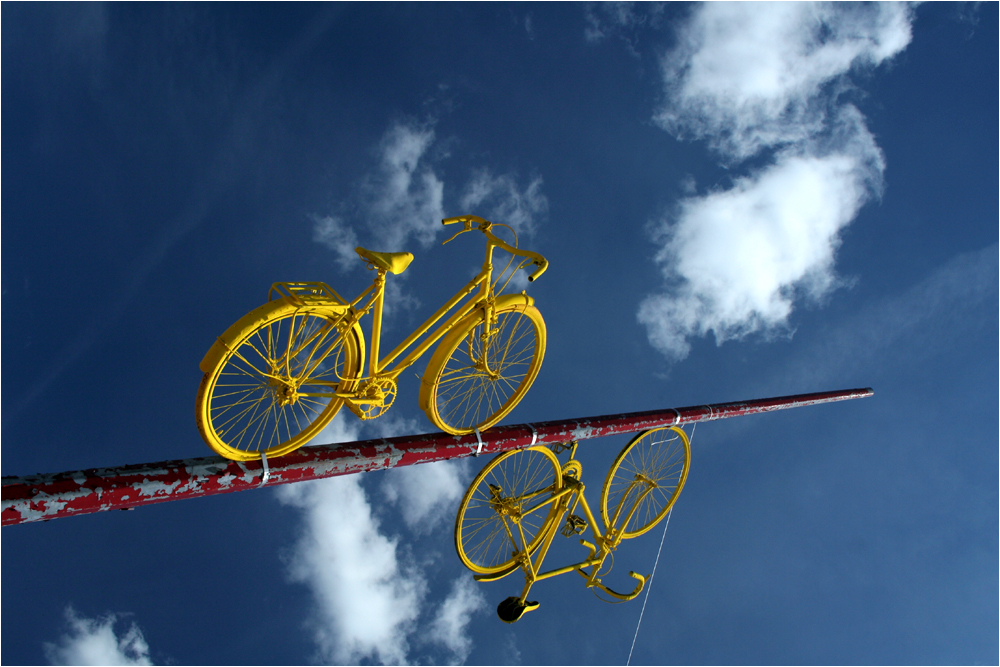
(273,388)
(513,490)
(477,376)
(645,480)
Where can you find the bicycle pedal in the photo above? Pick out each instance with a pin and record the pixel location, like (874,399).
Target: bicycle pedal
(575,525)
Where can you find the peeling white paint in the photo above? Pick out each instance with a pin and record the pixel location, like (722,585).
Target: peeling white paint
(583,433)
(152,489)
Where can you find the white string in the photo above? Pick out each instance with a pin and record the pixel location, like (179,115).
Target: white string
(649,585)
(655,563)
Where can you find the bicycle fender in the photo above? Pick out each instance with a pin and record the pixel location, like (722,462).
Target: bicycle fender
(252,321)
(502,301)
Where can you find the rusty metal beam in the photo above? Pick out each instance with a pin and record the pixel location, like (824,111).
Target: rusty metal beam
(43,497)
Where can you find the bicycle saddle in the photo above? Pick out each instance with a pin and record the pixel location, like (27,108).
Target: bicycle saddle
(393,262)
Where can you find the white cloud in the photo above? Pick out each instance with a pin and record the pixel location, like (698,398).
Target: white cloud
(742,256)
(449,627)
(398,200)
(94,642)
(748,76)
(366,601)
(500,199)
(403,196)
(427,494)
(339,237)
(751,78)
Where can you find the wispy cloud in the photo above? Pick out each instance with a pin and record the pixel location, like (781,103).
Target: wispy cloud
(449,628)
(501,199)
(338,236)
(750,79)
(93,641)
(427,494)
(401,198)
(620,19)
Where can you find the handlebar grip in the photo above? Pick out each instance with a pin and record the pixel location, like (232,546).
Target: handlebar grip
(542,265)
(463,218)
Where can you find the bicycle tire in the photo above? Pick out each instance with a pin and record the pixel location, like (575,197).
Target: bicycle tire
(526,477)
(470,385)
(658,459)
(251,399)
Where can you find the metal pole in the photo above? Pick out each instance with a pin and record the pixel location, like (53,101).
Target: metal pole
(43,497)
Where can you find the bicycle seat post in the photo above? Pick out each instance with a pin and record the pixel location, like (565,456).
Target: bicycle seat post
(377,321)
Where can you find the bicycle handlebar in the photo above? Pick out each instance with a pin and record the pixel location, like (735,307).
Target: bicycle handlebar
(484,226)
(467,219)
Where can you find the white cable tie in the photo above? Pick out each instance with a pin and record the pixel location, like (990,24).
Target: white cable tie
(534,435)
(480,439)
(267,470)
(676,412)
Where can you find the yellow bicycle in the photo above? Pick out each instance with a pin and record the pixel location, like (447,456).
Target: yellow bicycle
(277,376)
(516,504)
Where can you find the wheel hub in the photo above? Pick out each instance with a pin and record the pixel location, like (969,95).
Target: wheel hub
(284,393)
(507,507)
(642,479)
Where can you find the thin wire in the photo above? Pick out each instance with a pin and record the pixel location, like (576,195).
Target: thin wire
(648,587)
(655,563)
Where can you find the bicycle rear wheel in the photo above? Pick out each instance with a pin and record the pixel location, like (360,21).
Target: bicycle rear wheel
(645,480)
(474,380)
(512,490)
(273,388)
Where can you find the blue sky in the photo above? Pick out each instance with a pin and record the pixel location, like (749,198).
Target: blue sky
(736,201)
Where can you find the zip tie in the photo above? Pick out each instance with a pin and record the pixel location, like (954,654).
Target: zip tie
(676,412)
(267,470)
(534,435)
(480,439)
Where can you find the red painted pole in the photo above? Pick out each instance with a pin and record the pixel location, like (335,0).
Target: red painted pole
(51,496)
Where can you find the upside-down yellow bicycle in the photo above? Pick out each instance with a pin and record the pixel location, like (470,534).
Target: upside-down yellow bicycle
(277,376)
(516,504)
